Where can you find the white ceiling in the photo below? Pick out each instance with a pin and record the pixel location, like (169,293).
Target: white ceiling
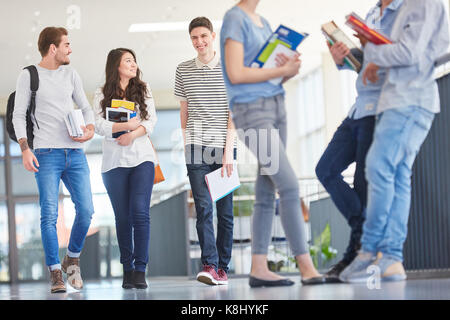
(104,26)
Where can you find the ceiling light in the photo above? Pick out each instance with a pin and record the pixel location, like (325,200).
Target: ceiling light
(166,26)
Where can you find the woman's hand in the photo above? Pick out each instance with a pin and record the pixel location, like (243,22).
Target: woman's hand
(292,66)
(133,123)
(126,139)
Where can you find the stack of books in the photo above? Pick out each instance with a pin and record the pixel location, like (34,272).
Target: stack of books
(120,111)
(334,34)
(74,120)
(359,25)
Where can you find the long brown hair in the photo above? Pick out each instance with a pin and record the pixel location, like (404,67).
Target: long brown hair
(136,90)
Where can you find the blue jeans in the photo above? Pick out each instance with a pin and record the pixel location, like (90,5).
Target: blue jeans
(262,127)
(399,133)
(213,252)
(130,191)
(350,143)
(71,166)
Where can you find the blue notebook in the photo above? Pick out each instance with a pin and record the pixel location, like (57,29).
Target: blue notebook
(283,40)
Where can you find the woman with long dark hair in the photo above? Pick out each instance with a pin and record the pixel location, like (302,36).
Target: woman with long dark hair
(128,161)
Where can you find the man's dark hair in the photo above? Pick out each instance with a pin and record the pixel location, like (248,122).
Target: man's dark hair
(200,22)
(49,36)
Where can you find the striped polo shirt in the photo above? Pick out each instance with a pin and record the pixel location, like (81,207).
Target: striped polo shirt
(202,86)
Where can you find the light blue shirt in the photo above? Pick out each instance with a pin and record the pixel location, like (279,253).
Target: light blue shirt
(420,35)
(238,26)
(368,96)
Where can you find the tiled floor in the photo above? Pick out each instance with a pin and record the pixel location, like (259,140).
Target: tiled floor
(237,289)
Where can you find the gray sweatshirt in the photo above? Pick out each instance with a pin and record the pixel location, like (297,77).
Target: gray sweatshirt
(58,90)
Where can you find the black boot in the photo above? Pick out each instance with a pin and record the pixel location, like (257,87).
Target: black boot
(139,280)
(128,280)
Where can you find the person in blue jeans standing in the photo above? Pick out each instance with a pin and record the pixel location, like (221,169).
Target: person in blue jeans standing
(408,102)
(128,161)
(209,145)
(353,138)
(259,115)
(57,156)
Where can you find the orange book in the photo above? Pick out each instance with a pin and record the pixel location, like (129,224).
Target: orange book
(358,24)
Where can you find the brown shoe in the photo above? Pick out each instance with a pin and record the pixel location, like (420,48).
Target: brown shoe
(71,266)
(56,281)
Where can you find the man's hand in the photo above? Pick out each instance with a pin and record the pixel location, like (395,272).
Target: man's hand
(338,51)
(362,39)
(29,161)
(126,139)
(88,133)
(227,161)
(370,73)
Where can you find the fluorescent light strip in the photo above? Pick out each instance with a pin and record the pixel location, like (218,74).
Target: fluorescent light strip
(166,26)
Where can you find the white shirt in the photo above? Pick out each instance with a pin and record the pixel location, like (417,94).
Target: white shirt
(139,151)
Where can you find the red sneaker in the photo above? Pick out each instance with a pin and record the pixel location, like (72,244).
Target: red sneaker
(208,275)
(223,279)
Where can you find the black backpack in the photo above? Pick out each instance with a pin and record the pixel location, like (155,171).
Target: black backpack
(34,86)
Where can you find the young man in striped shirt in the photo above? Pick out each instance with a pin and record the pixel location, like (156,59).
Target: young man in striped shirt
(209,145)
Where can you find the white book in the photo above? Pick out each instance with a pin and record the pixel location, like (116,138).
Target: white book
(74,120)
(272,63)
(219,186)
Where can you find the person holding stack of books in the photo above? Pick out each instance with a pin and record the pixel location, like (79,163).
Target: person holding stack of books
(353,138)
(53,154)
(258,110)
(406,109)
(128,161)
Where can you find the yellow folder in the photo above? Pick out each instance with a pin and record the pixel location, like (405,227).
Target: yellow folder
(115,103)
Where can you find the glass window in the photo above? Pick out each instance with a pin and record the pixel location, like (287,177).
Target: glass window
(23,181)
(29,244)
(167,131)
(94,145)
(311,103)
(14,149)
(4,243)
(2,140)
(173,167)
(348,80)
(2,178)
(311,148)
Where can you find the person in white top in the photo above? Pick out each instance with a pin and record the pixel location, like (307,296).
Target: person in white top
(128,165)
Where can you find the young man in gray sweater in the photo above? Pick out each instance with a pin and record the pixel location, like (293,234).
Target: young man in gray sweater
(56,154)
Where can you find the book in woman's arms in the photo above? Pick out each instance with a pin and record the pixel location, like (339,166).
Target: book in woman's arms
(119,115)
(283,40)
(116,103)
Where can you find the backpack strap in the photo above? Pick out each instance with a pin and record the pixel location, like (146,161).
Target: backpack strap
(34,86)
